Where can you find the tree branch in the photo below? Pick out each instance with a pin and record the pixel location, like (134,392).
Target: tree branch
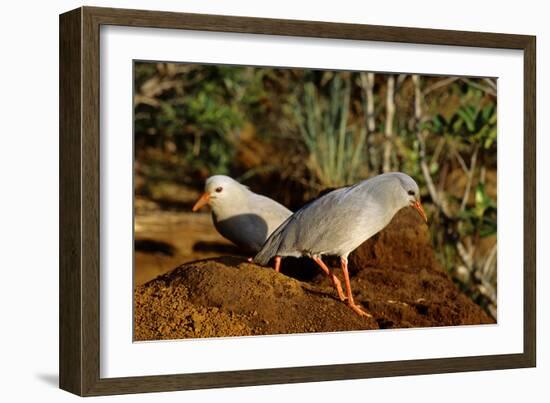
(388,130)
(470,178)
(483,88)
(439,84)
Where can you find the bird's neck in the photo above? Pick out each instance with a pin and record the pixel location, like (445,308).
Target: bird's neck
(391,205)
(238,204)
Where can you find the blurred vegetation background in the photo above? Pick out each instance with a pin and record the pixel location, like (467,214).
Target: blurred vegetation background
(290,133)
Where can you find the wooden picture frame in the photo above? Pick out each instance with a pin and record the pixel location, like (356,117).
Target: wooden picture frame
(79,201)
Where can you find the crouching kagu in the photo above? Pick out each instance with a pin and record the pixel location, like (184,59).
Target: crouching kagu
(338,222)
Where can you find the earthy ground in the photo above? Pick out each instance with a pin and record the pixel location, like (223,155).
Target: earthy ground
(394,276)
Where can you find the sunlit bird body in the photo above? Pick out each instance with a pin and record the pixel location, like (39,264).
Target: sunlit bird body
(240,215)
(338,222)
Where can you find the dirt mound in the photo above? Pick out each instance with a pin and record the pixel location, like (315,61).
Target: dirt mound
(207,298)
(162,311)
(404,243)
(394,276)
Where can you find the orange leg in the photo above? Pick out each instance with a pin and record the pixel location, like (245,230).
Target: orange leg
(334,279)
(351,303)
(277,264)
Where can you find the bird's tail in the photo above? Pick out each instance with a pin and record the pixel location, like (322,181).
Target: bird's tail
(271,247)
(263,257)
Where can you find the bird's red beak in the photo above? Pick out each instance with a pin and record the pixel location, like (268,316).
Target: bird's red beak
(420,210)
(204,199)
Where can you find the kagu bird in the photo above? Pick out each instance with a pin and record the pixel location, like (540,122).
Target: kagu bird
(338,222)
(240,215)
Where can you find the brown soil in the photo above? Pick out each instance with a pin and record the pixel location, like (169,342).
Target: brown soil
(394,276)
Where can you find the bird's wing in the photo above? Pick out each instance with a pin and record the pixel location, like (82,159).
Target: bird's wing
(272,245)
(287,238)
(246,230)
(329,223)
(313,230)
(272,212)
(250,228)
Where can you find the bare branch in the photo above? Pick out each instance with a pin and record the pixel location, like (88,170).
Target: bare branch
(466,254)
(489,267)
(371,124)
(492,83)
(400,79)
(438,149)
(459,159)
(388,131)
(439,84)
(368,107)
(470,178)
(483,88)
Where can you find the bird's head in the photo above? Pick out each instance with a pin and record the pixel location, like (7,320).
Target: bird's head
(411,194)
(217,189)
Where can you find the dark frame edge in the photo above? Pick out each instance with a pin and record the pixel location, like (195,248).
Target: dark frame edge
(79,202)
(303,28)
(70,279)
(530,200)
(256,377)
(90,160)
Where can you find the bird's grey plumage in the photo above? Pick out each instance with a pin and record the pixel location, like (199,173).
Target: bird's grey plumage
(242,216)
(340,221)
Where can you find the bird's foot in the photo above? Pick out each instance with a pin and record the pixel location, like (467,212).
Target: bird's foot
(338,287)
(359,310)
(250,259)
(277,264)
(341,295)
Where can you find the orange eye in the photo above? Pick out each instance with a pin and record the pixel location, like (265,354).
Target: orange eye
(218,190)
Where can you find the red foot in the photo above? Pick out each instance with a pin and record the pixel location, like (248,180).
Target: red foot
(359,310)
(277,264)
(338,286)
(333,278)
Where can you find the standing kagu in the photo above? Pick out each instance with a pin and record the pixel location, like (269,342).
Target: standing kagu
(338,222)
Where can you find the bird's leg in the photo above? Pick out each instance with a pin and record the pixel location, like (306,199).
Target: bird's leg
(277,264)
(331,275)
(351,303)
